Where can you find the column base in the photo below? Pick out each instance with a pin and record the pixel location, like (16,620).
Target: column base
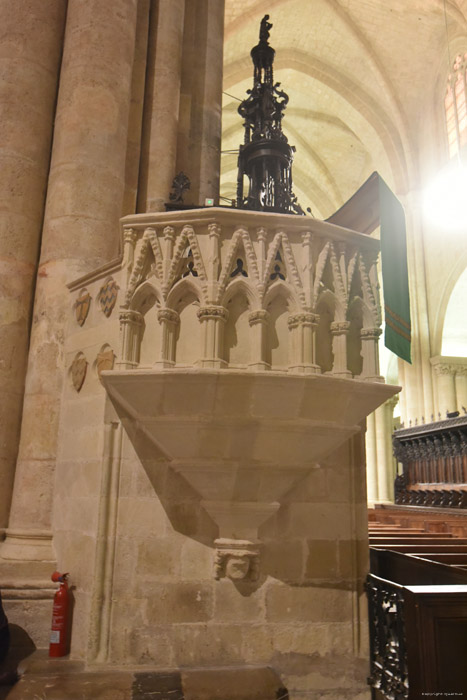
(28,545)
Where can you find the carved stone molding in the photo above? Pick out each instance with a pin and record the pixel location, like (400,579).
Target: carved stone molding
(236,559)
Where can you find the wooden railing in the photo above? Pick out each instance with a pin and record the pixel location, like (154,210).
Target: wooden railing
(434,464)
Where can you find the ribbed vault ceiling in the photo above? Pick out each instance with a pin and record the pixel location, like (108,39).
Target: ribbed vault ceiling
(366,83)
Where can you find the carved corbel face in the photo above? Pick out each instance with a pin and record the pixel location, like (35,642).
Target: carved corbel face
(238,561)
(237,567)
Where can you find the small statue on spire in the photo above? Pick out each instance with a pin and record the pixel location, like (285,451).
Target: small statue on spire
(264,29)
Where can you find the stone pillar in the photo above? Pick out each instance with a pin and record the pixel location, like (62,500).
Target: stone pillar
(370,354)
(339,331)
(258,321)
(161,111)
(169,320)
(213,319)
(380,460)
(199,137)
(445,385)
(461,387)
(371,460)
(80,232)
(31,36)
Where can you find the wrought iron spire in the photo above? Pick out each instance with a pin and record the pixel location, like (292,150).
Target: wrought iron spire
(266,156)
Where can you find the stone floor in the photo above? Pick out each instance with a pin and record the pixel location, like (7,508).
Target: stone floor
(42,678)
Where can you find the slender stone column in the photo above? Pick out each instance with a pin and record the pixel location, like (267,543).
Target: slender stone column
(31,37)
(371,460)
(340,330)
(384,464)
(370,354)
(258,321)
(303,327)
(131,323)
(169,320)
(84,203)
(213,319)
(159,144)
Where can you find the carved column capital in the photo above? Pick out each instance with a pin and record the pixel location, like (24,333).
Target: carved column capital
(302,319)
(445,368)
(340,327)
(168,316)
(214,312)
(131,317)
(370,333)
(258,316)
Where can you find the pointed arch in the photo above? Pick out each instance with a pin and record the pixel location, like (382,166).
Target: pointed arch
(146,295)
(187,285)
(240,239)
(186,238)
(239,286)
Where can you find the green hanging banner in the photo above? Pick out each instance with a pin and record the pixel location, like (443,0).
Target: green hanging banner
(372,205)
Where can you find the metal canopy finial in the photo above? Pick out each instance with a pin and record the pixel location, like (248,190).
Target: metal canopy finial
(265,157)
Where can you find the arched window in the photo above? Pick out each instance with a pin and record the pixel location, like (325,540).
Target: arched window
(455,105)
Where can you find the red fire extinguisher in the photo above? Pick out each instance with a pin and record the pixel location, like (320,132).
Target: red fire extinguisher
(60,617)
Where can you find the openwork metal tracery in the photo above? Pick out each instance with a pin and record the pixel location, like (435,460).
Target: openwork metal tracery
(388,653)
(266,156)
